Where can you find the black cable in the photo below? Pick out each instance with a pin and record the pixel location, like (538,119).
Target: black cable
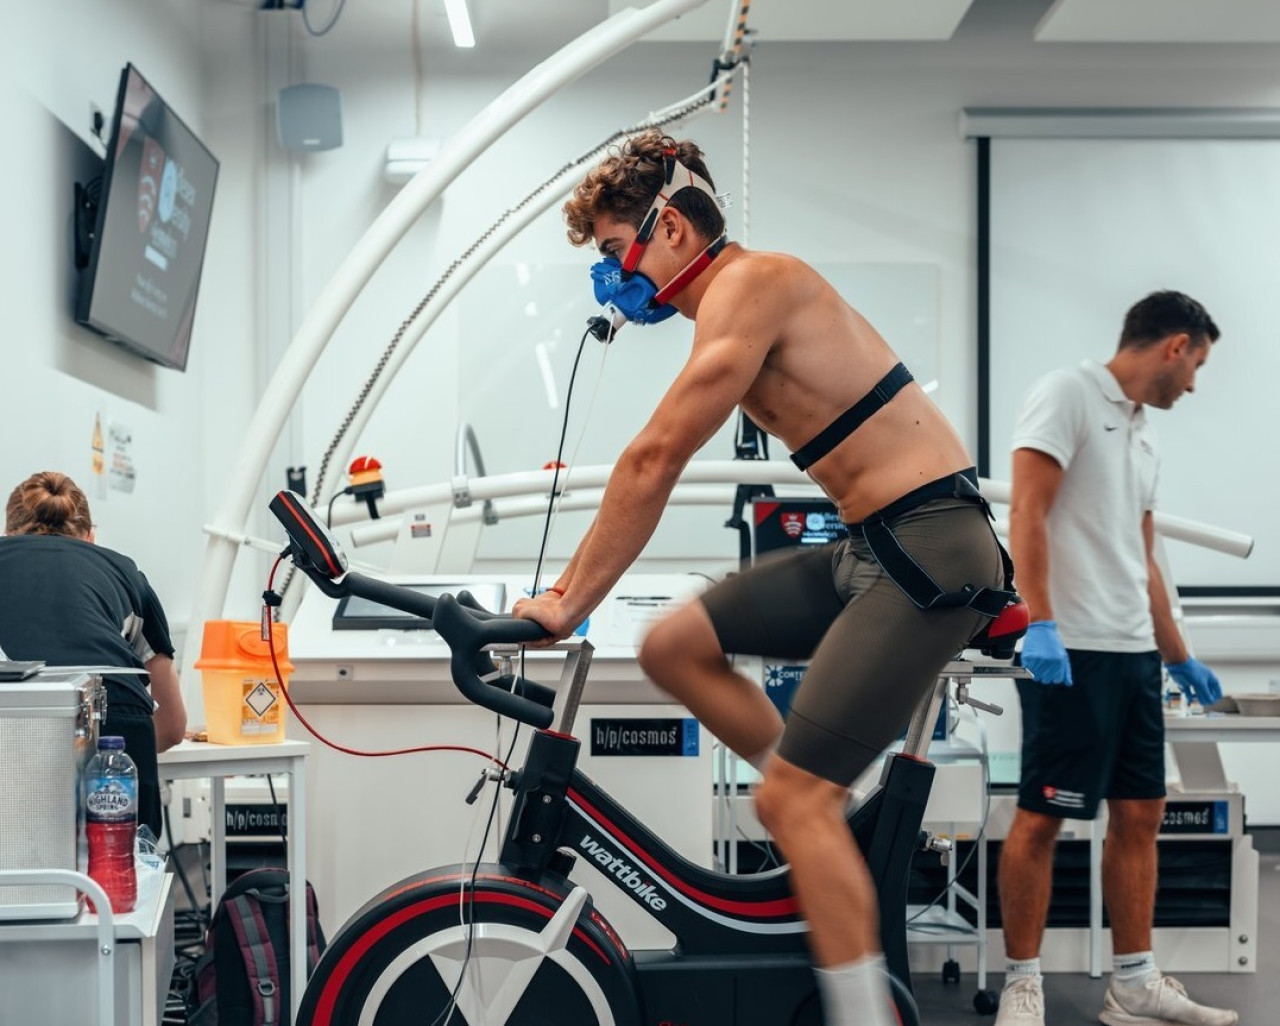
(452,1004)
(328,514)
(275,803)
(177,866)
(555,477)
(333,18)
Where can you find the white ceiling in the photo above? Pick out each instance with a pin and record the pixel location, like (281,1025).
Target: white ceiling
(1161,21)
(543,26)
(816,20)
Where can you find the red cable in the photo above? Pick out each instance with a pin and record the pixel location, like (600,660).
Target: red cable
(271,645)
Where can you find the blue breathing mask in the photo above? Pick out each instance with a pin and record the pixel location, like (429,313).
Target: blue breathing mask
(629,296)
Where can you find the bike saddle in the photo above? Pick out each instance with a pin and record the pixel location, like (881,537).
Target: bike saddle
(998,638)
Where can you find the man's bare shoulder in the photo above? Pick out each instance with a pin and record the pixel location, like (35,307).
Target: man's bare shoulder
(757,263)
(761,273)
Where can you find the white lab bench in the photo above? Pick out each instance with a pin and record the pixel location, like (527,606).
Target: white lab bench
(1193,741)
(199,759)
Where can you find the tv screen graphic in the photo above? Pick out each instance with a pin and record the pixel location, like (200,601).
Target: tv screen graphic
(788,523)
(152,225)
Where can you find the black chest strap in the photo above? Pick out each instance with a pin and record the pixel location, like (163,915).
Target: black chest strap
(852,418)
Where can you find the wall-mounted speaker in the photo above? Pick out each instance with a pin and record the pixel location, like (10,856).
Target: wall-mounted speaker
(309,117)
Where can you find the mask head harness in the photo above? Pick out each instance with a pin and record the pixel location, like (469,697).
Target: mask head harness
(628,295)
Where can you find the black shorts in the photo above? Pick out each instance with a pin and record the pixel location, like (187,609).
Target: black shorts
(1102,737)
(874,652)
(130,719)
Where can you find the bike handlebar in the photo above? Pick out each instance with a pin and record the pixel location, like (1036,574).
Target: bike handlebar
(468,629)
(464,625)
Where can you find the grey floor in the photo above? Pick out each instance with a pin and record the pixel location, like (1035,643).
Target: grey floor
(1073,999)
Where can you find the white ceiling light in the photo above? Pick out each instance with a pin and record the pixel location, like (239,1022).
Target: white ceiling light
(459,22)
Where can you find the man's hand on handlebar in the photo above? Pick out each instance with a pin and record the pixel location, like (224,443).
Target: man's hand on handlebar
(549,610)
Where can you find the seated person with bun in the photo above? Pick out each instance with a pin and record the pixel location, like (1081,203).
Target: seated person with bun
(71,602)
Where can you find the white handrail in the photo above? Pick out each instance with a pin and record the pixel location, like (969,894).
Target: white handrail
(588,480)
(387,528)
(105,927)
(1233,543)
(535,482)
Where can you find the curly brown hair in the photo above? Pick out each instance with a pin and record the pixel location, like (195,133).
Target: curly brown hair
(623,185)
(48,503)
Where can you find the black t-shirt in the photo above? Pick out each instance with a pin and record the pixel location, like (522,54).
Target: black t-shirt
(73,603)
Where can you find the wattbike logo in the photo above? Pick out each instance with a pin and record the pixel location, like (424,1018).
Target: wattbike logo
(625,874)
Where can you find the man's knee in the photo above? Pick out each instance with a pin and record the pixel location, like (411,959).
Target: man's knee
(658,649)
(1134,819)
(683,637)
(790,799)
(1032,832)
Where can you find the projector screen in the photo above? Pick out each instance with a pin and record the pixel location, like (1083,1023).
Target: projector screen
(1080,229)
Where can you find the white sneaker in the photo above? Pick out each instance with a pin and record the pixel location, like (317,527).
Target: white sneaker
(1160,1002)
(1022,1002)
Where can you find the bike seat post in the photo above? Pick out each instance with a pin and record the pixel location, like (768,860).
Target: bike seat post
(920,730)
(573,679)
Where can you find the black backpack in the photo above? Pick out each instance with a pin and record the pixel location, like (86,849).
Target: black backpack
(242,979)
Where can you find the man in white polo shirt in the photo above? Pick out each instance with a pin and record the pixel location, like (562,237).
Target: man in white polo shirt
(1085,468)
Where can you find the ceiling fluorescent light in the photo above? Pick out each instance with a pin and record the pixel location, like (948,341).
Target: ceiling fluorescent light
(459,22)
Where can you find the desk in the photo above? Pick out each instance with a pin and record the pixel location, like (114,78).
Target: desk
(1193,741)
(198,760)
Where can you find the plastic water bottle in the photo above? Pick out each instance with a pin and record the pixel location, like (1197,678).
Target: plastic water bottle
(111,822)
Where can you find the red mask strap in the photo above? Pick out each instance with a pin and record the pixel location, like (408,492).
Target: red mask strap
(675,177)
(695,267)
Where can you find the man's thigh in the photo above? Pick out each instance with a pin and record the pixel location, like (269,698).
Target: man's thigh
(780,607)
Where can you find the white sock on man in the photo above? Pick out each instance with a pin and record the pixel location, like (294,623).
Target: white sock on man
(1019,969)
(857,993)
(1134,970)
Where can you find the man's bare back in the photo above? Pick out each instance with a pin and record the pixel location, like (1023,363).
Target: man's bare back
(823,358)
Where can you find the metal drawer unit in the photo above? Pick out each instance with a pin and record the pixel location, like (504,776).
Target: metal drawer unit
(48,732)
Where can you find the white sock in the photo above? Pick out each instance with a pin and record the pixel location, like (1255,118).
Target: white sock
(1134,970)
(857,993)
(1027,968)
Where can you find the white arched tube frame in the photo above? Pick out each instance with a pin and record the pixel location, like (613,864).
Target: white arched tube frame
(520,219)
(335,299)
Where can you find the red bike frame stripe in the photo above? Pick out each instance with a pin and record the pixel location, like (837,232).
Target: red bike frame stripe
(776,907)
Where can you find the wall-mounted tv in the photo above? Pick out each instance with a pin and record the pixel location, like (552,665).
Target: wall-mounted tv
(139,287)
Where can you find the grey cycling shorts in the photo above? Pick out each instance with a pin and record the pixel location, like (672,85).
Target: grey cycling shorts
(873,654)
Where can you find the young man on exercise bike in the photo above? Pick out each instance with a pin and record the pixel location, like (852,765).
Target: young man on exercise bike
(879,614)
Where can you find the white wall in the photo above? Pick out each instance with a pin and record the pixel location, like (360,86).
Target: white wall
(56,60)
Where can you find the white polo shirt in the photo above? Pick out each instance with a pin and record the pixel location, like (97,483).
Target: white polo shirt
(1097,556)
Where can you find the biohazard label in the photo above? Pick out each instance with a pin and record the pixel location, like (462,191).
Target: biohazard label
(261,711)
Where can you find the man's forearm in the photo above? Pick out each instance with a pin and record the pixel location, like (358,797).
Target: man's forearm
(630,510)
(566,576)
(1169,641)
(1029,549)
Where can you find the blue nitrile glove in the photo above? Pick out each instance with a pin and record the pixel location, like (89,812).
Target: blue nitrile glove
(1044,654)
(1198,682)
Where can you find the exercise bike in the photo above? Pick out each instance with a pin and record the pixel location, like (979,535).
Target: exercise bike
(535,950)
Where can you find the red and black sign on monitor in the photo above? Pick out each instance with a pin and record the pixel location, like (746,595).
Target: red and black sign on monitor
(781,523)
